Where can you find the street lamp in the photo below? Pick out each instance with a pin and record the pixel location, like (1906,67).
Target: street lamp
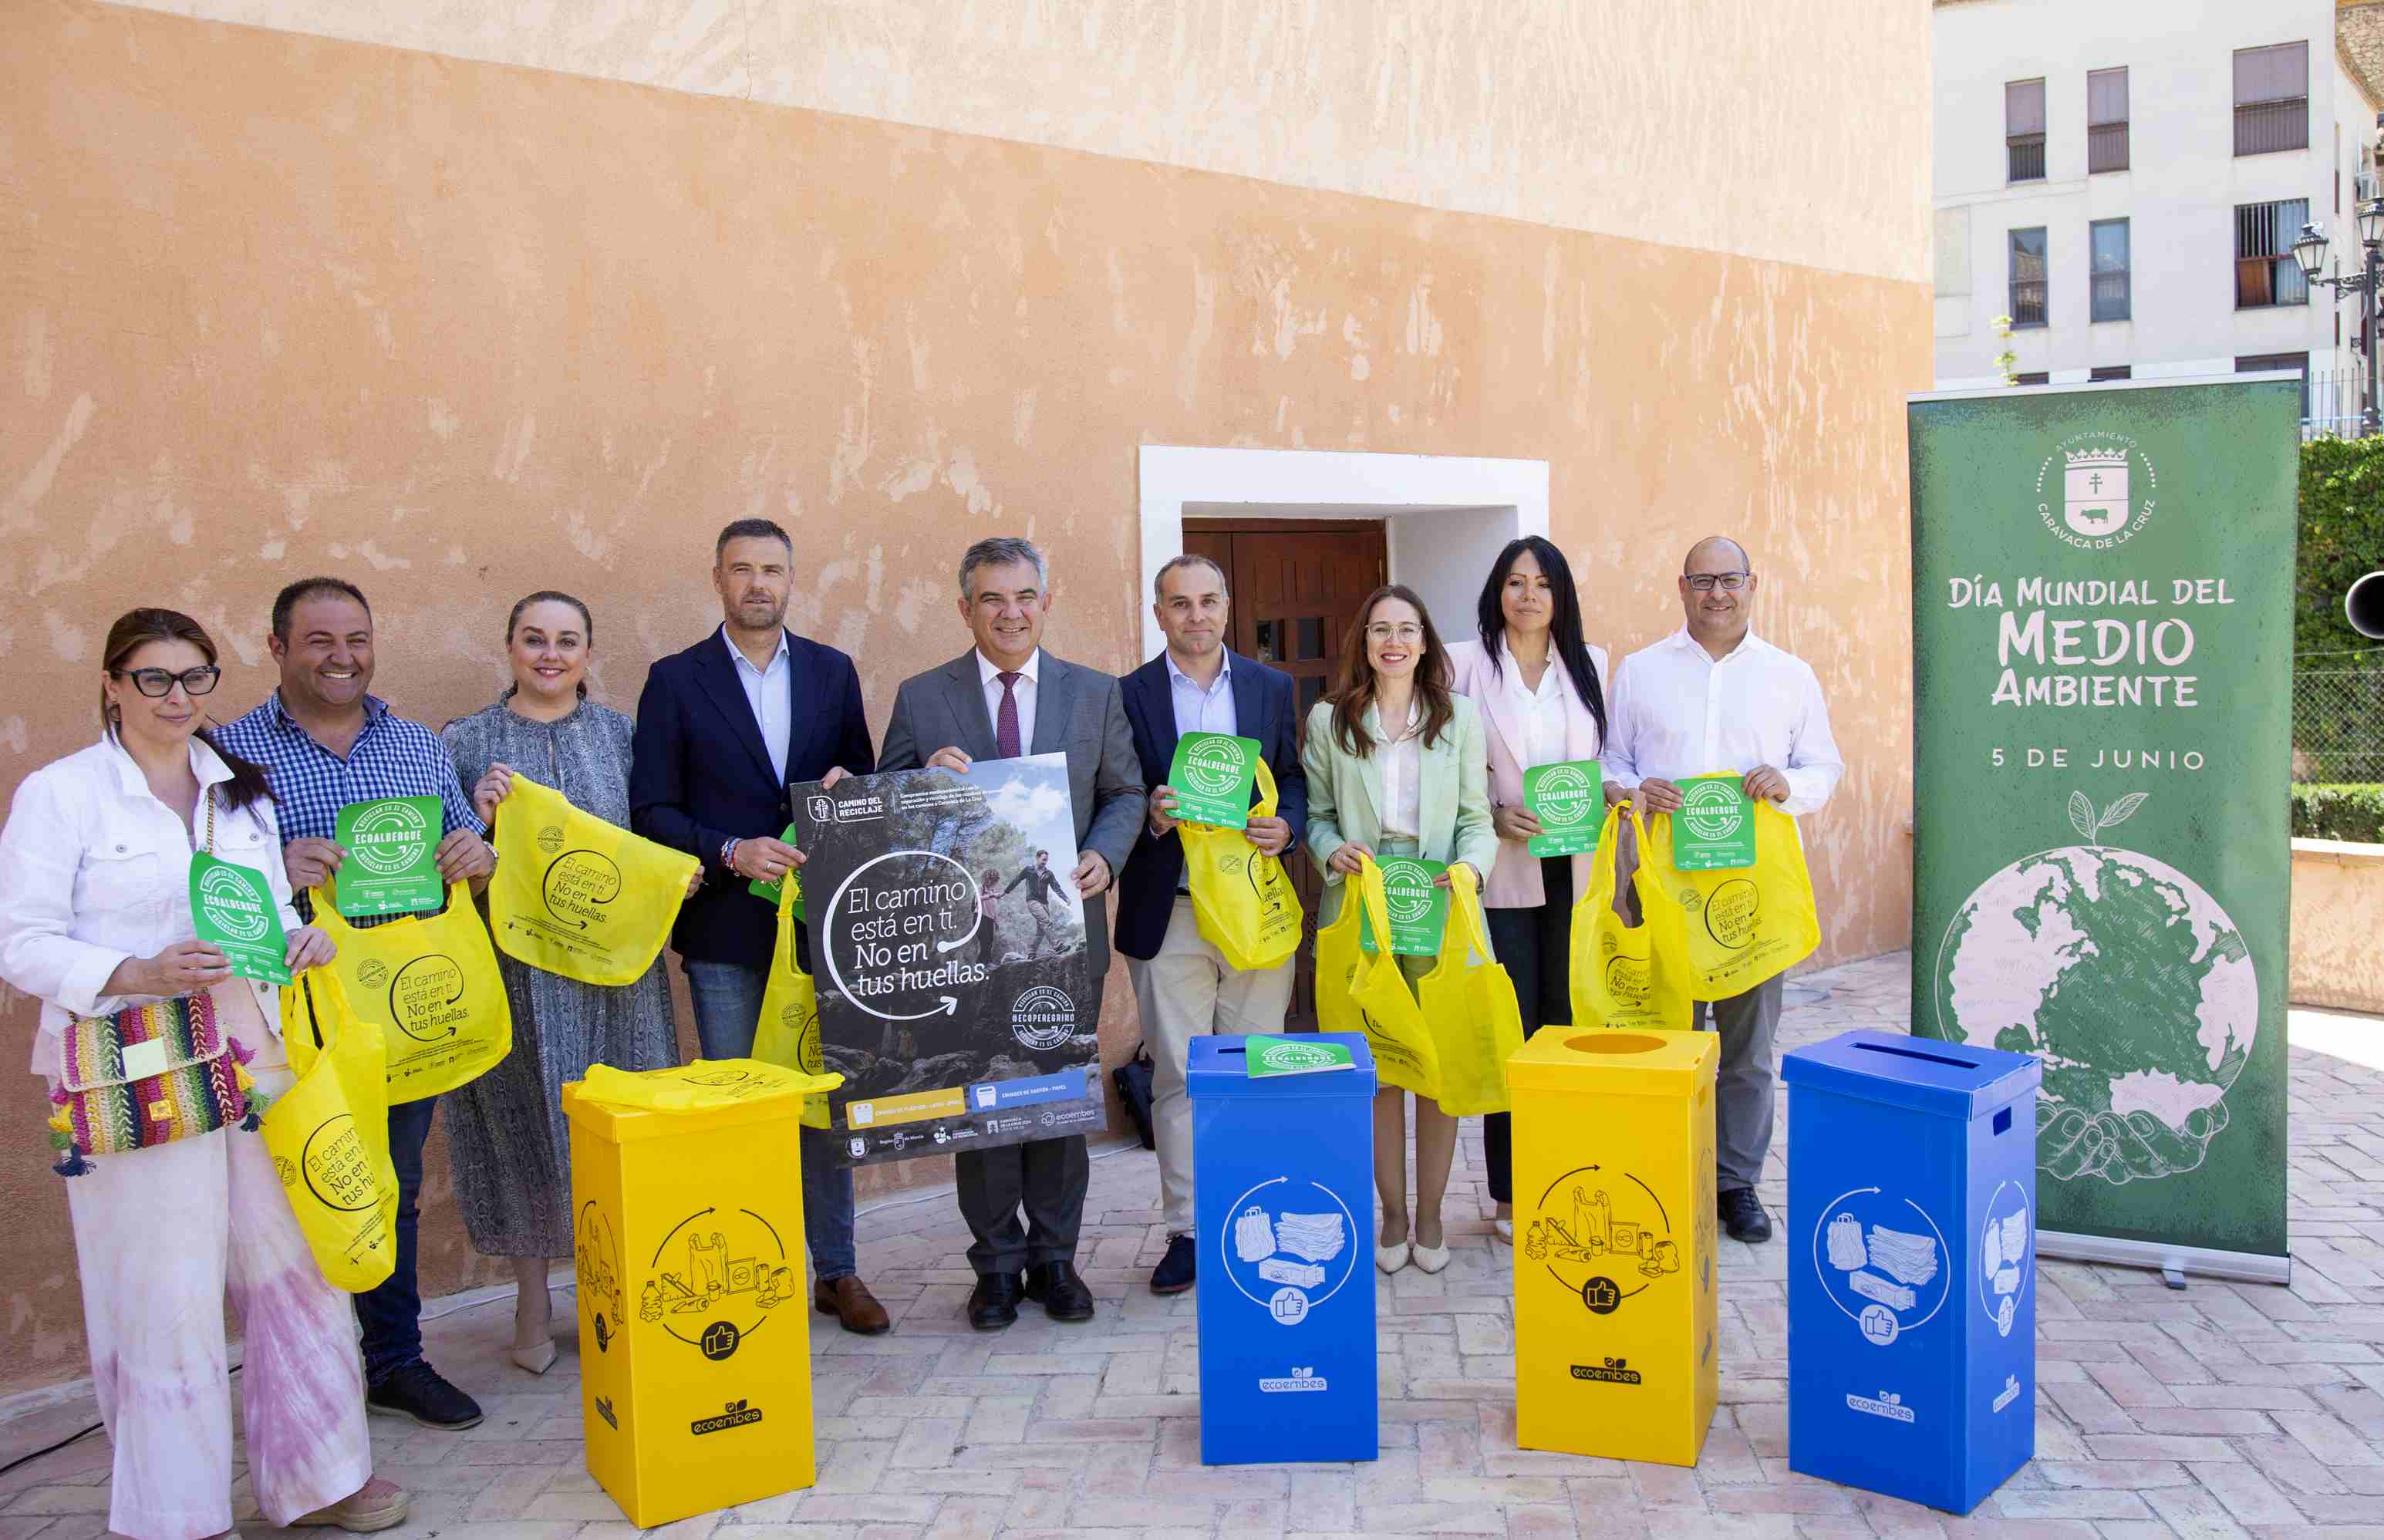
(2309,253)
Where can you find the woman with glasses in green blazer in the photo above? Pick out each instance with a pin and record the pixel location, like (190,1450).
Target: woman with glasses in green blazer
(1398,767)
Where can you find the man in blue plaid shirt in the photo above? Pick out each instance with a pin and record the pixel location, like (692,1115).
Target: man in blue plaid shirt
(325,743)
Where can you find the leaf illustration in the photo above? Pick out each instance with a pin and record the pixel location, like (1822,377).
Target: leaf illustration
(2121,811)
(2082,816)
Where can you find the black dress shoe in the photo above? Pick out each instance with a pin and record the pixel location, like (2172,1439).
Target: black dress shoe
(1062,1295)
(1175,1273)
(994,1303)
(1743,1216)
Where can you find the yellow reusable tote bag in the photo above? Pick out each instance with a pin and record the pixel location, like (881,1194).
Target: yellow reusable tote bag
(1469,1002)
(1338,952)
(1747,925)
(787,1034)
(1244,901)
(1629,976)
(578,896)
(328,1134)
(429,983)
(1405,1054)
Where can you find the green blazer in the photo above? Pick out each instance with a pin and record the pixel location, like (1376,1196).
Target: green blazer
(1345,794)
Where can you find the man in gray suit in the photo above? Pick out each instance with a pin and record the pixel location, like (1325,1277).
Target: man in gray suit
(1005,698)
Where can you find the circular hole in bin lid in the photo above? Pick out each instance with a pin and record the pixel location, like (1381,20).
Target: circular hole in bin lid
(1614,1042)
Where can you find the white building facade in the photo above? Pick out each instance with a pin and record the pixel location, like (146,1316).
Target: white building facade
(2125,179)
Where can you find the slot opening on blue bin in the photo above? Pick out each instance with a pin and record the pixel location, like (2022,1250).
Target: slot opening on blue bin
(1915,1053)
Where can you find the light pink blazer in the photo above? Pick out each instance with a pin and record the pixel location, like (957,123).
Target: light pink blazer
(1515,879)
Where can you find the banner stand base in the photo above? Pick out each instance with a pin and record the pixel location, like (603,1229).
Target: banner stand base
(2173,1261)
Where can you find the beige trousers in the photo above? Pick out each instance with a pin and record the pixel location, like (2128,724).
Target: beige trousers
(1187,991)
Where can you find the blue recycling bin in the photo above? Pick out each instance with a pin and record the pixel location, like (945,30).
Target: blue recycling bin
(1283,1182)
(1911,1266)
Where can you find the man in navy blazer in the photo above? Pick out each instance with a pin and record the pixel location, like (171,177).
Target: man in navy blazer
(723,729)
(1183,984)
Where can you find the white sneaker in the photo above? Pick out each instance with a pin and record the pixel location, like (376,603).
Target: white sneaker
(1504,1229)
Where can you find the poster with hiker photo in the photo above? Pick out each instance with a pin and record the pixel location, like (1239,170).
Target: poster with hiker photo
(956,990)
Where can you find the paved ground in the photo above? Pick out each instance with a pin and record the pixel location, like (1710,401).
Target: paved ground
(2221,1410)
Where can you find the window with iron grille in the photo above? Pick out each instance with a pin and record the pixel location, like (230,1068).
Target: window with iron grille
(2265,273)
(2106,120)
(2263,362)
(2272,98)
(2111,371)
(2108,241)
(2024,131)
(2027,276)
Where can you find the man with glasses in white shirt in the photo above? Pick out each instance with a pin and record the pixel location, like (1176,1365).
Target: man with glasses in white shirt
(1714,697)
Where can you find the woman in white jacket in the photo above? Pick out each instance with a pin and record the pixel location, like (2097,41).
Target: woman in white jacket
(94,917)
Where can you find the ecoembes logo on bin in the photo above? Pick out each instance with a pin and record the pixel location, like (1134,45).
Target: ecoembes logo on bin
(604,1409)
(738,1414)
(1298,1379)
(1612,1372)
(1887,1404)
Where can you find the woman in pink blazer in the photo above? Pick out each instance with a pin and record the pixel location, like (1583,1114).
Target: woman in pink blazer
(1541,694)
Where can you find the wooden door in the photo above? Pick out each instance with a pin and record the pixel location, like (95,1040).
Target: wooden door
(1296,586)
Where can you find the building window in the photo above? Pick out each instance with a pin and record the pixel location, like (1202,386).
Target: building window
(2106,120)
(2108,239)
(2027,276)
(2024,131)
(2265,273)
(2111,371)
(2272,99)
(2039,376)
(2264,363)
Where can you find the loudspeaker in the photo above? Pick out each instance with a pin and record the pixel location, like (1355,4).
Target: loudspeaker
(2364,606)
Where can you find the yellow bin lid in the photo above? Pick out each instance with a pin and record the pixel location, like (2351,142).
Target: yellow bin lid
(1609,1061)
(709,1094)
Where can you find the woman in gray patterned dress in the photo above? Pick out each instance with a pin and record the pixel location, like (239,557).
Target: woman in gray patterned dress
(510,1144)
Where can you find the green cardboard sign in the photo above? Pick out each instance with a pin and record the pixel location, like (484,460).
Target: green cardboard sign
(1570,802)
(1419,910)
(1714,830)
(769,891)
(232,907)
(1211,777)
(1268,1055)
(393,863)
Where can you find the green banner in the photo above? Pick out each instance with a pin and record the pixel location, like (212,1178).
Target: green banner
(2103,640)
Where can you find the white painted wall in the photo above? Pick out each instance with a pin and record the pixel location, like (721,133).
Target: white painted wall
(2180,193)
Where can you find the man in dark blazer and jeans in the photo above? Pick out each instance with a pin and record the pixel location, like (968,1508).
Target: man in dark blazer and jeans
(1003,699)
(1182,982)
(723,729)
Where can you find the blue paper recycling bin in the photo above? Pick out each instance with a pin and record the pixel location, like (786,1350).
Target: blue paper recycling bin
(1911,1266)
(1283,1182)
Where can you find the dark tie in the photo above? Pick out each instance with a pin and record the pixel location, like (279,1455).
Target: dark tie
(1005,730)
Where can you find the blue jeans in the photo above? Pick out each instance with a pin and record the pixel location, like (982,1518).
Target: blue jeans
(728,1006)
(390,1313)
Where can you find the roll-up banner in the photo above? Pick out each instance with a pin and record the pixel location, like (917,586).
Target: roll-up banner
(2102,580)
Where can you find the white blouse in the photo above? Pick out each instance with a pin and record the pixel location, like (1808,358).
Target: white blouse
(94,870)
(1403,775)
(1541,711)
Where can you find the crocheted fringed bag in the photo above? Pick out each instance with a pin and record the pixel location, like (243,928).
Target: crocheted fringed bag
(147,1076)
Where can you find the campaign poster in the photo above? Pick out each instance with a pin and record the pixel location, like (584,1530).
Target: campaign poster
(2103,639)
(957,995)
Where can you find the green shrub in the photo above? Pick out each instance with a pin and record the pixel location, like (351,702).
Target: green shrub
(2351,813)
(2342,538)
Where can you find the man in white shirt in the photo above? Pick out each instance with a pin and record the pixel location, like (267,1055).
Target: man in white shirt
(1714,697)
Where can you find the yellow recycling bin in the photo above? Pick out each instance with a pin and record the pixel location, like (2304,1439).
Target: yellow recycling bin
(1614,1243)
(694,1314)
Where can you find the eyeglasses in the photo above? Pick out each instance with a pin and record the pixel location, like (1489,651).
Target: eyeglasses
(156,682)
(1704,582)
(1407,631)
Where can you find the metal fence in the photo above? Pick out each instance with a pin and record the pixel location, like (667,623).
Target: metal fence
(2339,716)
(2330,403)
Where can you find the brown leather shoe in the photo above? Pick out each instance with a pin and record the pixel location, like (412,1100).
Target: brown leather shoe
(855,1309)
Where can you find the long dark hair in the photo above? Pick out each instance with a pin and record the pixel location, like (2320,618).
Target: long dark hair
(556,596)
(137,628)
(1564,626)
(1354,691)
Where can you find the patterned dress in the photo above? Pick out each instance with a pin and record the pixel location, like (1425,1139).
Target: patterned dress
(510,1146)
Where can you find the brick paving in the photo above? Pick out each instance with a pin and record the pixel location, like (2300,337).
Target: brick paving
(2221,1410)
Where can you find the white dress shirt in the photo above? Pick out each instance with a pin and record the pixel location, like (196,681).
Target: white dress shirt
(1677,712)
(770,693)
(1402,807)
(1200,710)
(1541,711)
(1022,690)
(94,870)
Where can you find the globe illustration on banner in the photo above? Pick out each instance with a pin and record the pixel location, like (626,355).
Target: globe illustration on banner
(2129,983)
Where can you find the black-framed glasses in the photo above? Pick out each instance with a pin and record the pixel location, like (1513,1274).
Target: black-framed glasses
(158,682)
(1705,582)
